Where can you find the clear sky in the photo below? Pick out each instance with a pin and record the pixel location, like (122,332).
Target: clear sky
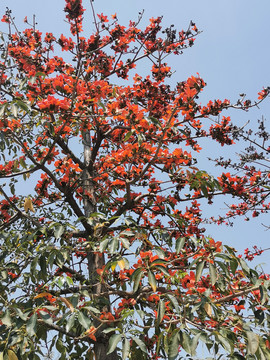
(231,55)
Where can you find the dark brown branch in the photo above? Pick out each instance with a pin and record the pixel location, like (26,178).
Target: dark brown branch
(236,294)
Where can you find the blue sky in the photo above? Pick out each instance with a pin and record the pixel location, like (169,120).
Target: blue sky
(231,55)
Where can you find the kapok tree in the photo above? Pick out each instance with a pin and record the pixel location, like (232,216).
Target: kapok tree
(103,250)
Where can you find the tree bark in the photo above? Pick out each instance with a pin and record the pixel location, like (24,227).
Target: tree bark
(95,261)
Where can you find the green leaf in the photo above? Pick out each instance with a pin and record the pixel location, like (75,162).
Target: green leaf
(160,253)
(84,320)
(125,242)
(163,270)
(237,356)
(233,265)
(91,308)
(71,322)
(103,245)
(108,330)
(152,281)
(31,325)
(199,270)
(22,162)
(166,343)
(141,139)
(158,343)
(140,343)
(114,340)
(259,315)
(224,268)
(173,346)
(161,311)
(213,274)
(158,262)
(58,232)
(43,267)
(262,357)
(127,233)
(59,346)
(204,190)
(6,319)
(186,343)
(230,249)
(194,344)
(14,110)
(263,294)
(128,135)
(244,265)
(125,349)
(45,316)
(136,278)
(23,105)
(154,120)
(102,105)
(224,342)
(141,313)
(252,342)
(180,242)
(3,107)
(114,244)
(21,314)
(174,301)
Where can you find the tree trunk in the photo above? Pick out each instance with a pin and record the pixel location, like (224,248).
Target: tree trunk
(95,261)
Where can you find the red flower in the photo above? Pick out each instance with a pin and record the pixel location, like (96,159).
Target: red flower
(13,275)
(90,333)
(5,19)
(102,17)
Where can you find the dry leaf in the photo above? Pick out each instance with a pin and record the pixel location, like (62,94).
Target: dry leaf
(121,264)
(67,302)
(43,294)
(208,309)
(11,355)
(28,205)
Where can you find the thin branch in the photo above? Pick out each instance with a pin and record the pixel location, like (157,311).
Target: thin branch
(29,171)
(236,294)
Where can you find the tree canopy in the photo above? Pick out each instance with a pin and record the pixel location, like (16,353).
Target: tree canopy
(104,253)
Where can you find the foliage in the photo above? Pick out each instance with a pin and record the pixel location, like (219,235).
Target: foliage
(108,253)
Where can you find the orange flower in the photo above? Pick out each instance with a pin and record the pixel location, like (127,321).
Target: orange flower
(90,333)
(239,307)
